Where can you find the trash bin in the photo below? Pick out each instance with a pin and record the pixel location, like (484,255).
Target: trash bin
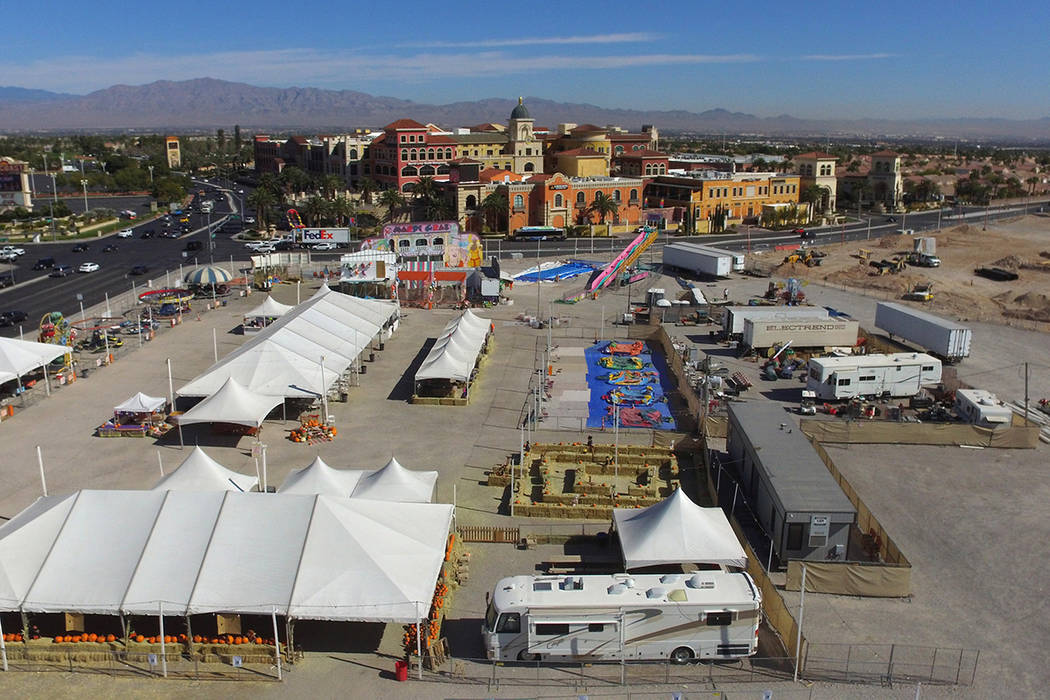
(401,670)
(371,357)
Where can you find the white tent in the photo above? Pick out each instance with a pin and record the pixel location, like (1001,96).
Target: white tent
(141,403)
(232,403)
(267,368)
(271,308)
(18,357)
(305,556)
(199,472)
(320,478)
(395,483)
(456,351)
(677,531)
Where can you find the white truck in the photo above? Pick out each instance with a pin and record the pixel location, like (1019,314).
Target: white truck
(734,316)
(698,259)
(339,236)
(806,332)
(946,339)
(702,615)
(889,376)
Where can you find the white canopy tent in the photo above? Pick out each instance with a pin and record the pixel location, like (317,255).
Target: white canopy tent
(19,357)
(456,351)
(303,556)
(271,308)
(232,403)
(677,531)
(391,483)
(141,403)
(285,358)
(199,472)
(319,478)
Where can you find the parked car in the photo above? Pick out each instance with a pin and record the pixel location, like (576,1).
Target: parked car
(804,234)
(905,232)
(10,318)
(89,267)
(60,270)
(44,264)
(8,255)
(139,270)
(80,247)
(249,219)
(7,281)
(125,233)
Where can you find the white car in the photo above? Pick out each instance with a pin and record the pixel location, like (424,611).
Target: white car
(324,245)
(260,246)
(89,267)
(125,233)
(249,219)
(13,250)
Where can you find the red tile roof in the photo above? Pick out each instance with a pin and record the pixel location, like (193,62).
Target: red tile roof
(490,174)
(540,177)
(466,161)
(404,124)
(817,154)
(441,138)
(584,128)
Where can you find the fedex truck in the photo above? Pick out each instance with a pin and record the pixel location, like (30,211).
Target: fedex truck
(701,615)
(339,236)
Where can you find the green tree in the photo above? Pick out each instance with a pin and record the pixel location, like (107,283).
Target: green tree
(494,210)
(331,184)
(237,138)
(393,201)
(342,209)
(316,210)
(603,205)
(294,180)
(262,199)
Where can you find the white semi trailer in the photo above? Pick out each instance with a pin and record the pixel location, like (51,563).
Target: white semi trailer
(738,259)
(898,375)
(698,259)
(949,340)
(703,615)
(762,333)
(734,316)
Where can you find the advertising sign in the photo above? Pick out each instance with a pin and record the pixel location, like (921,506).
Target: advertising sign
(424,227)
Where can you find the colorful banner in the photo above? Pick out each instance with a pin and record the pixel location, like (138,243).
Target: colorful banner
(463,250)
(426,227)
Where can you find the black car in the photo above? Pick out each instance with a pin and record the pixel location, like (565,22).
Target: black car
(61,270)
(147,233)
(10,318)
(194,245)
(139,270)
(44,264)
(80,247)
(7,281)
(110,249)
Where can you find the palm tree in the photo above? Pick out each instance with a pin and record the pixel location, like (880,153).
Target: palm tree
(494,209)
(262,199)
(343,210)
(366,186)
(394,202)
(1032,182)
(603,205)
(426,195)
(315,209)
(294,180)
(332,184)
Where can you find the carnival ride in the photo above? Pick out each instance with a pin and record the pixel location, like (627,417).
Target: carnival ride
(632,349)
(613,362)
(635,417)
(296,222)
(633,396)
(623,261)
(56,329)
(159,297)
(626,377)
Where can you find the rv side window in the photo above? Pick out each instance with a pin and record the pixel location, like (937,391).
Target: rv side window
(927,368)
(509,622)
(596,627)
(490,617)
(844,382)
(719,619)
(551,630)
(866,378)
(815,373)
(794,536)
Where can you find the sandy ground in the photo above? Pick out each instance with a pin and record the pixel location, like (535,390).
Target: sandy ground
(1021,245)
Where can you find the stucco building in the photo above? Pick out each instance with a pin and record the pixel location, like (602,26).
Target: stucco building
(708,202)
(818,169)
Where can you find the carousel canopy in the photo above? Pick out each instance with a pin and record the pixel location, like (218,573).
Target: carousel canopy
(207,274)
(232,403)
(677,531)
(199,472)
(141,403)
(271,308)
(456,350)
(18,357)
(304,556)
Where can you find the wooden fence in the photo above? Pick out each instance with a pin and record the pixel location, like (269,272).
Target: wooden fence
(488,533)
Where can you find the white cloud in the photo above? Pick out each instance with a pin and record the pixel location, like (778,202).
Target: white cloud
(847,57)
(309,67)
(629,37)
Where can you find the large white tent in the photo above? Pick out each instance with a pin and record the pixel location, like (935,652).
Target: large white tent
(456,351)
(305,351)
(304,556)
(19,357)
(319,478)
(391,483)
(677,531)
(232,403)
(199,472)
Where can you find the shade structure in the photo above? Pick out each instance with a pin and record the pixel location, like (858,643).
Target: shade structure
(271,308)
(328,327)
(208,274)
(677,531)
(18,357)
(305,556)
(395,483)
(232,403)
(456,351)
(199,472)
(319,478)
(141,403)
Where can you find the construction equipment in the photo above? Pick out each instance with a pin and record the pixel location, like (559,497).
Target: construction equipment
(920,292)
(807,256)
(864,254)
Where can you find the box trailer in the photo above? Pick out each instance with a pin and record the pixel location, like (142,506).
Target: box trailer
(733,317)
(339,236)
(790,491)
(807,332)
(738,259)
(946,339)
(697,259)
(703,615)
(895,376)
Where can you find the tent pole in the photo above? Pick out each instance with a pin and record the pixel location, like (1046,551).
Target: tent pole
(801,608)
(3,646)
(40,461)
(163,647)
(276,643)
(182,443)
(258,474)
(160,463)
(21,391)
(47,381)
(123,628)
(289,638)
(215,343)
(263,446)
(189,635)
(419,641)
(171,387)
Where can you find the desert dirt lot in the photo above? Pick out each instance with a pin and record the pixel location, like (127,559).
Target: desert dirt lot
(1021,245)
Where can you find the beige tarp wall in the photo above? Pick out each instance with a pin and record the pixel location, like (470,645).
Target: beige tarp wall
(883,432)
(851,578)
(717,426)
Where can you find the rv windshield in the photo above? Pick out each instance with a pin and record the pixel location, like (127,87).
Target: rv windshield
(490,617)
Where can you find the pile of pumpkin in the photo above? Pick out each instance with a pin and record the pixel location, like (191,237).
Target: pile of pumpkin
(448,547)
(231,639)
(433,624)
(13,637)
(167,639)
(312,428)
(84,637)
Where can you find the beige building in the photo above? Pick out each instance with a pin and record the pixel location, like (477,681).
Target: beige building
(14,184)
(582,162)
(887,183)
(817,168)
(174,153)
(514,148)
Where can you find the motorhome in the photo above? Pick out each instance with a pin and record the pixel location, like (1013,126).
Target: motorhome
(896,375)
(702,615)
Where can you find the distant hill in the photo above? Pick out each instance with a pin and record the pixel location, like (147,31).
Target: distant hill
(210,103)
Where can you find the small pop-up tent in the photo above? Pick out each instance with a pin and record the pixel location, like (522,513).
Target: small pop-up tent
(322,479)
(19,357)
(677,531)
(232,403)
(199,472)
(395,483)
(264,314)
(141,403)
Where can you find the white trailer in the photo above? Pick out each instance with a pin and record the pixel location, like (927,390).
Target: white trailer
(738,259)
(982,408)
(897,375)
(697,259)
(808,332)
(703,615)
(949,340)
(339,236)
(734,316)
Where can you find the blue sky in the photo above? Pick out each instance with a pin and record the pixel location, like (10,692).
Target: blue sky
(968,58)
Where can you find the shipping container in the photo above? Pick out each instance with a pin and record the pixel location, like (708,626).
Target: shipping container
(734,316)
(809,332)
(738,258)
(946,339)
(698,259)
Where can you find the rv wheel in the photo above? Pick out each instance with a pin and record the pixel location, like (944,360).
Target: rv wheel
(681,655)
(525,656)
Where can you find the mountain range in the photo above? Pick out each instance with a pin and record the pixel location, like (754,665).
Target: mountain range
(205,103)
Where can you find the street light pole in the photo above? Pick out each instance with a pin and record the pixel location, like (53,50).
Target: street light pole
(84,184)
(150,168)
(54,189)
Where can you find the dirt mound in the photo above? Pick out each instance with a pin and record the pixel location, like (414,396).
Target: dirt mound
(1010,262)
(1033,300)
(1044,253)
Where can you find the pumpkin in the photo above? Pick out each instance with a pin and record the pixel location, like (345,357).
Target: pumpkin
(140,638)
(111,637)
(77,638)
(92,637)
(196,639)
(58,640)
(214,640)
(168,639)
(258,640)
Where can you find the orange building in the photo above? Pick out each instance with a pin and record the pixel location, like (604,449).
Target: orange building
(559,200)
(710,203)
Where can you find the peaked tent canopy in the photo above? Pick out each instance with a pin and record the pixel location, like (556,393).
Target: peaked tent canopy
(319,478)
(208,274)
(271,308)
(18,357)
(232,403)
(305,556)
(456,351)
(199,472)
(677,531)
(141,403)
(395,483)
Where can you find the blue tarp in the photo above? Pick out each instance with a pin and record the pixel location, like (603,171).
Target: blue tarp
(561,272)
(600,411)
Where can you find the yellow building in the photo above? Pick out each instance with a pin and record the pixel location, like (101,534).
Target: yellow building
(711,202)
(582,162)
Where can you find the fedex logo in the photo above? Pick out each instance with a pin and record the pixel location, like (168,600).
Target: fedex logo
(316,235)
